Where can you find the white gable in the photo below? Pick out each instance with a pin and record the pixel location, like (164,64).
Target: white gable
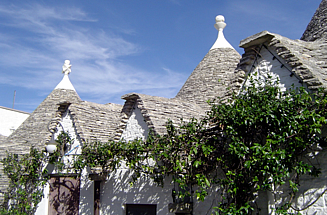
(136,126)
(269,65)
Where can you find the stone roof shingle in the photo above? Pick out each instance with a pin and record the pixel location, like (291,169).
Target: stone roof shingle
(158,110)
(211,78)
(2,138)
(317,27)
(95,121)
(34,130)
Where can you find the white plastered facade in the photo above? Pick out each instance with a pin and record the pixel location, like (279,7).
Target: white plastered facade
(10,120)
(270,67)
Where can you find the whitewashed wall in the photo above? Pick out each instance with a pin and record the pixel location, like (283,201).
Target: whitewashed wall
(267,66)
(136,126)
(312,195)
(10,120)
(117,192)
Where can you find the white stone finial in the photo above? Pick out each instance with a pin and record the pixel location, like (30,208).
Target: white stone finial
(220,23)
(221,42)
(66,68)
(220,18)
(65,82)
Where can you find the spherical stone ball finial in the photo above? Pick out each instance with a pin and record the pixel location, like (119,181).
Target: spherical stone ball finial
(220,18)
(220,22)
(221,42)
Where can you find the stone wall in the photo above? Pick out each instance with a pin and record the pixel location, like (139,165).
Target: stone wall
(312,195)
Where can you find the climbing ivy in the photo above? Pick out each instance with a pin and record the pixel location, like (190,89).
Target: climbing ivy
(27,178)
(260,139)
(57,158)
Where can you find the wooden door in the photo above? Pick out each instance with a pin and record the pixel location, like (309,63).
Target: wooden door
(64,196)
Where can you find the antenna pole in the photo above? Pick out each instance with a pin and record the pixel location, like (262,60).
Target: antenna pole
(13,104)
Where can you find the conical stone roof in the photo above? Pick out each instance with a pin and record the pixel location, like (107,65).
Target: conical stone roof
(213,75)
(34,130)
(317,27)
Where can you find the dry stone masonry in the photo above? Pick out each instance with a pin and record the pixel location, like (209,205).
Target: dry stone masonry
(317,28)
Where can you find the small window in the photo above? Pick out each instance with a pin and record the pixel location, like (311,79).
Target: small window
(141,209)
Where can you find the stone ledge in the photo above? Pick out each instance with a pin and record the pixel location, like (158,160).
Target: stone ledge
(256,39)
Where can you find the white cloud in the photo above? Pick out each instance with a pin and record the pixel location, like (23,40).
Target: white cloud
(113,78)
(46,37)
(37,14)
(83,45)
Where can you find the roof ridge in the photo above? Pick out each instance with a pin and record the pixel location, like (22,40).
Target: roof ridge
(19,111)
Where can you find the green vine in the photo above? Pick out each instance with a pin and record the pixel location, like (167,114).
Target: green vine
(57,158)
(27,175)
(27,178)
(257,141)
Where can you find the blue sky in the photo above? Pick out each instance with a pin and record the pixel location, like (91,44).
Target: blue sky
(119,46)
